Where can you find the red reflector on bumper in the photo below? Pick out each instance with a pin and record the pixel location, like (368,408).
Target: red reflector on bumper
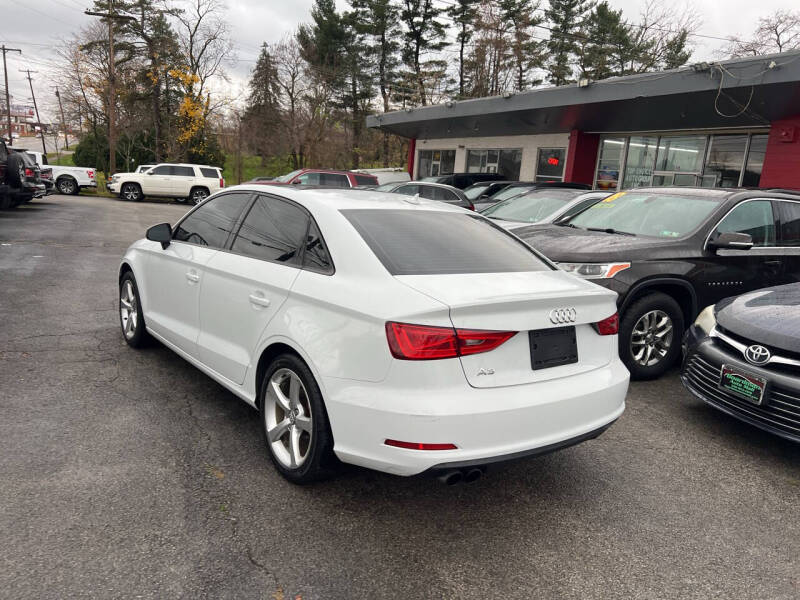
(420,446)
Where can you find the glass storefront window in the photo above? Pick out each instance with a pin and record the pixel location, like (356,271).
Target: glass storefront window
(725,160)
(433,163)
(681,153)
(609,163)
(506,162)
(550,164)
(639,161)
(681,160)
(755,160)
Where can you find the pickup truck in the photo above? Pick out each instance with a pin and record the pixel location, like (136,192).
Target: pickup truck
(69,180)
(18,182)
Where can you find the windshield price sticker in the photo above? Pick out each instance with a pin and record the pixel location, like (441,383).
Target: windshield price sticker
(613,197)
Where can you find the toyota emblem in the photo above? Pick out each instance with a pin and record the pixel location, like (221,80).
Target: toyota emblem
(559,316)
(757,355)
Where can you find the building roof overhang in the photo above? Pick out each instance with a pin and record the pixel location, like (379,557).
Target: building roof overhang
(744,92)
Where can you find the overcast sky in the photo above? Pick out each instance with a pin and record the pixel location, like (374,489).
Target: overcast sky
(37,27)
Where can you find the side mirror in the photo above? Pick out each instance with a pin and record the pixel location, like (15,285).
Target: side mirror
(731,241)
(296,182)
(160,233)
(149,173)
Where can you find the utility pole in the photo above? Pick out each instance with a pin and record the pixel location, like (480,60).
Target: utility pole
(63,122)
(111,16)
(8,99)
(36,108)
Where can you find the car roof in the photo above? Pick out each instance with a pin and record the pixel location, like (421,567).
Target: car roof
(427,184)
(348,198)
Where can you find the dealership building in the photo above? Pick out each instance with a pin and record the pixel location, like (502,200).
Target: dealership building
(720,124)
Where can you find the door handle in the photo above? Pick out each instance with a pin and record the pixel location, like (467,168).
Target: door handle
(192,276)
(257,300)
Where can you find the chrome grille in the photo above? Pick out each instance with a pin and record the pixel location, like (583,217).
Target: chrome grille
(780,410)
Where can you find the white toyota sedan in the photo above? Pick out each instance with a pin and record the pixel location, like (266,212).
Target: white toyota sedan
(387,331)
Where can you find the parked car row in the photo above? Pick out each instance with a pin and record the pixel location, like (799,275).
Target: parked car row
(474,337)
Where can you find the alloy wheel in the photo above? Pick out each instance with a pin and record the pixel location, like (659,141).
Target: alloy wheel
(128,309)
(651,338)
(288,418)
(130,192)
(198,196)
(66,187)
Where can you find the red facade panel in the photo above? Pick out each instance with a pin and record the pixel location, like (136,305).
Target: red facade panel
(782,159)
(581,157)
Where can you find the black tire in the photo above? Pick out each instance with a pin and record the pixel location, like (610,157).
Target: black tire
(15,170)
(131,191)
(138,336)
(319,462)
(648,305)
(67,186)
(198,194)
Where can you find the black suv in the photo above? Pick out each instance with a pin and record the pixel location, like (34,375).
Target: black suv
(19,178)
(670,252)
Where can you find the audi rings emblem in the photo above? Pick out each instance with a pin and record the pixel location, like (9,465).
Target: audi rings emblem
(559,316)
(757,355)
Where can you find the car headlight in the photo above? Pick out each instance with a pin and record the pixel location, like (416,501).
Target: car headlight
(594,270)
(706,320)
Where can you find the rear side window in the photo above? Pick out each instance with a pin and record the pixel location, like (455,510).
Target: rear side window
(334,179)
(411,242)
(211,173)
(273,230)
(182,171)
(790,223)
(162,170)
(364,180)
(316,257)
(408,190)
(211,223)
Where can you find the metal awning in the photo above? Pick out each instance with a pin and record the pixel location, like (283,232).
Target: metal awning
(745,92)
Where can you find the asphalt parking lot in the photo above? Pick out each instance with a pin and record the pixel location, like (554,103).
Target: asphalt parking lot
(131,474)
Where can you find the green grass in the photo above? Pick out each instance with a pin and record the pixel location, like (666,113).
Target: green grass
(65,160)
(252,167)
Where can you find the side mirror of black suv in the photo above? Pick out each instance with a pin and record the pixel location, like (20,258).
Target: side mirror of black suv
(731,241)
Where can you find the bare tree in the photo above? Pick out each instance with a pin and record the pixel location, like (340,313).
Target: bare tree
(204,40)
(778,32)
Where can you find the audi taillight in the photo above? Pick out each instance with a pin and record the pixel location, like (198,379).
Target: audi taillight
(608,326)
(28,172)
(426,342)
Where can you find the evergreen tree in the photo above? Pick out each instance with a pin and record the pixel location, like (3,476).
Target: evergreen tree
(423,35)
(263,114)
(607,46)
(566,18)
(463,13)
(519,19)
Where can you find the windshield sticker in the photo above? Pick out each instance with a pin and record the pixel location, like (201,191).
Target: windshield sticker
(669,234)
(613,197)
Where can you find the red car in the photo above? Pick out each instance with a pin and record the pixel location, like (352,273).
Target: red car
(326,177)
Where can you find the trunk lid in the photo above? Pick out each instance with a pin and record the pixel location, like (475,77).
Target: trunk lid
(522,302)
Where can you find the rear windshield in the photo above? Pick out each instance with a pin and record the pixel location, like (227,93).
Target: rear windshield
(365,180)
(531,207)
(213,173)
(510,192)
(410,242)
(647,213)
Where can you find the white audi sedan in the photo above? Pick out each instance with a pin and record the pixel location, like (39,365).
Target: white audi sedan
(387,331)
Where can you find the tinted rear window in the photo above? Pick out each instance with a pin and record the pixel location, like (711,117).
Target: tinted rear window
(365,180)
(212,173)
(410,242)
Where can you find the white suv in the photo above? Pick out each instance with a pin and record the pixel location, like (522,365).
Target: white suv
(184,181)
